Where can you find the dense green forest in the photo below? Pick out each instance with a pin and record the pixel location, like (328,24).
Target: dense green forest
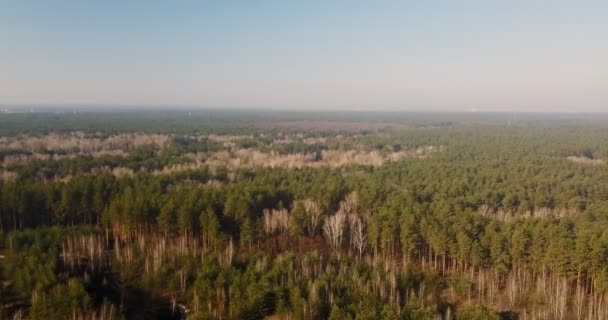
(238,215)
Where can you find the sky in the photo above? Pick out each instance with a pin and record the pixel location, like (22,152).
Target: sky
(404,55)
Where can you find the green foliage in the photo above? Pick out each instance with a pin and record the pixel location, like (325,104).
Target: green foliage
(476,313)
(338,314)
(491,202)
(61,303)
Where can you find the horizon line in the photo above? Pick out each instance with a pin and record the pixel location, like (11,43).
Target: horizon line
(191,107)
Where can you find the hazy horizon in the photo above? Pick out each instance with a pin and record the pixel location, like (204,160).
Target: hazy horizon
(437,56)
(68,108)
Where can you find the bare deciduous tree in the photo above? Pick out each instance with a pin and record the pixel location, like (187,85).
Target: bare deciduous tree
(276,220)
(358,234)
(350,204)
(313,214)
(579,301)
(334,229)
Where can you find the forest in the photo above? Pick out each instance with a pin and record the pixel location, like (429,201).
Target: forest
(303,215)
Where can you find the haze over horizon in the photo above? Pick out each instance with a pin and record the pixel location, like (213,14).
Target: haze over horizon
(474,55)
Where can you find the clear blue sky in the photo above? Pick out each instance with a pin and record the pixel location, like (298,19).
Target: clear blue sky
(457,55)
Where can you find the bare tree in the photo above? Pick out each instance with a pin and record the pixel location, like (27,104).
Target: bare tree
(513,288)
(313,214)
(579,301)
(350,204)
(345,220)
(350,207)
(334,229)
(276,220)
(358,234)
(562,291)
